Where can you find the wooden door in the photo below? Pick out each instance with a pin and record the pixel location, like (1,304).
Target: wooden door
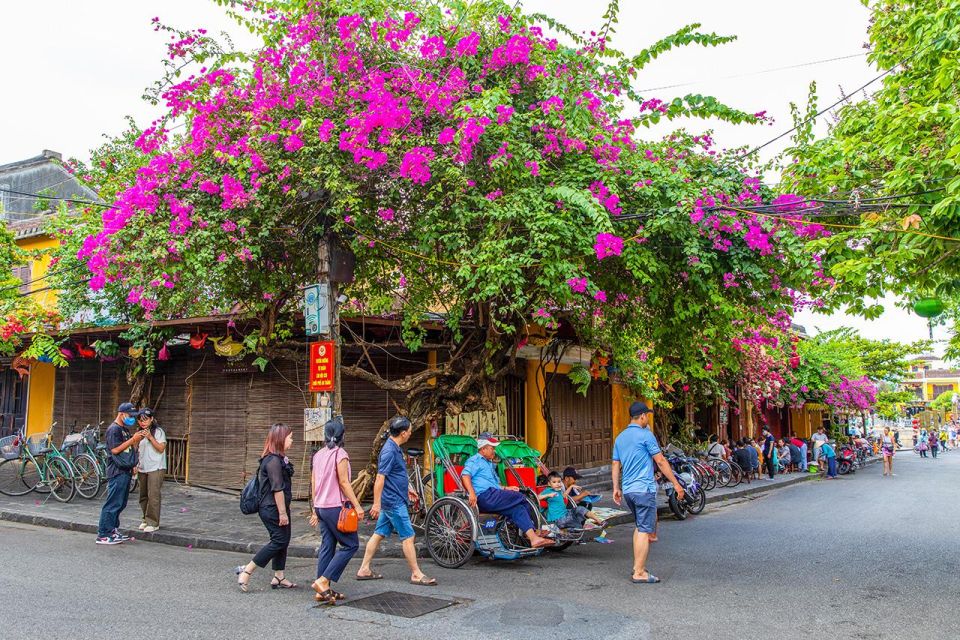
(582,426)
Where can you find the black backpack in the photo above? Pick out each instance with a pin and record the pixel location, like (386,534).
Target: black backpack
(251,496)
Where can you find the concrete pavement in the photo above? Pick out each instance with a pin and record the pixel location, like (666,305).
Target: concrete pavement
(863,557)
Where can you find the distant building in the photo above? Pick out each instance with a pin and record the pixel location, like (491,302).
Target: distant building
(28,400)
(930,377)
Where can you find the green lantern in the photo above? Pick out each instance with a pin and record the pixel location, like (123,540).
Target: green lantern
(928,307)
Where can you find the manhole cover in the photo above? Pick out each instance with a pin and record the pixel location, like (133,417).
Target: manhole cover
(395,603)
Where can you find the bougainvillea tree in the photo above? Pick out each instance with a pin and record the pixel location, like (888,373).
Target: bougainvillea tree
(481,163)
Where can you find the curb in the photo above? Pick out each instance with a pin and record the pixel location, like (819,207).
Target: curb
(388,549)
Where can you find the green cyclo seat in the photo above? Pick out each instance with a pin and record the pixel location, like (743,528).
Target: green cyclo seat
(455,449)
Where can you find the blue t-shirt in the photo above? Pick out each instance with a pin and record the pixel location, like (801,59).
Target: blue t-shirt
(393,468)
(634,450)
(481,472)
(754,456)
(556,507)
(827,451)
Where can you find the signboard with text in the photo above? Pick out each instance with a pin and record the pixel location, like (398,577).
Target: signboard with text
(322,363)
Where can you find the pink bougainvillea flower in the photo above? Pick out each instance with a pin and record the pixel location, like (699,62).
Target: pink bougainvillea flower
(608,245)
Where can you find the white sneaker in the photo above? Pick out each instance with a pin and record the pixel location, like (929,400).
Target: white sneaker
(143,525)
(149,529)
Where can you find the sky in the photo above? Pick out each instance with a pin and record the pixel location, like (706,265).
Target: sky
(75,70)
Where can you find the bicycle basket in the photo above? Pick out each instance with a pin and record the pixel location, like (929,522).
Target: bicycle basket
(73,444)
(90,437)
(10,447)
(37,443)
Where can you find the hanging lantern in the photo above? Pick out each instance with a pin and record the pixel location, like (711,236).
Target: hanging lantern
(928,307)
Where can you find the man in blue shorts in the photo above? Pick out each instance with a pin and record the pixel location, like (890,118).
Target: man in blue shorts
(390,492)
(634,453)
(480,480)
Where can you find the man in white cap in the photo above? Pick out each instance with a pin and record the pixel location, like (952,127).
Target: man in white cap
(481,482)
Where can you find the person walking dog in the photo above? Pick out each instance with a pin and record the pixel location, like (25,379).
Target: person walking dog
(331,491)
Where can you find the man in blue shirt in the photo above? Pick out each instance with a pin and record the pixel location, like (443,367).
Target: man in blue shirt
(390,492)
(634,453)
(484,491)
(827,451)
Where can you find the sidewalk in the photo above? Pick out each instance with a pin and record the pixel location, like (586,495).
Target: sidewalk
(203,519)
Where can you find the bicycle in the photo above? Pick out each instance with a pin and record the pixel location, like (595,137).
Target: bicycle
(31,464)
(88,476)
(418,497)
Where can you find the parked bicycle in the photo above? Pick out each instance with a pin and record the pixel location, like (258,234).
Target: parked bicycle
(89,474)
(34,464)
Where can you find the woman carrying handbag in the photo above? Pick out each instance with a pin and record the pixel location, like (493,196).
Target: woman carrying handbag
(336,511)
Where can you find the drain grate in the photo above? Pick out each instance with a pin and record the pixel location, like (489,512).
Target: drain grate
(395,603)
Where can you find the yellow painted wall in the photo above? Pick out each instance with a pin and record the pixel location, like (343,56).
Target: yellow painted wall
(928,392)
(536,426)
(42,375)
(39,266)
(40,397)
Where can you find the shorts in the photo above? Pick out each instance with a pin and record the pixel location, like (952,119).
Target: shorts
(394,520)
(643,506)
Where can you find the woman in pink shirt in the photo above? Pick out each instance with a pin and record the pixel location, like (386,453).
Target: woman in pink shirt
(330,489)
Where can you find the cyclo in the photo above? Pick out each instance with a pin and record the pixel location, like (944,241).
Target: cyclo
(454,530)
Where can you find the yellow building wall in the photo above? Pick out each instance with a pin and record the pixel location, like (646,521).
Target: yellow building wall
(536,426)
(40,397)
(42,375)
(928,391)
(39,266)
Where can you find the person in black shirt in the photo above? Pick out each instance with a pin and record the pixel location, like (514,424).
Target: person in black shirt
(769,444)
(742,457)
(121,459)
(275,472)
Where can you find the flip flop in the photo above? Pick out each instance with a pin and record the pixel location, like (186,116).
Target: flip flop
(651,579)
(372,576)
(424,581)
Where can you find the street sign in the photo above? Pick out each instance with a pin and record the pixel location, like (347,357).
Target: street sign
(322,364)
(316,309)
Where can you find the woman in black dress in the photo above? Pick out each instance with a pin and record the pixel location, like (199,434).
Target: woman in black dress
(274,472)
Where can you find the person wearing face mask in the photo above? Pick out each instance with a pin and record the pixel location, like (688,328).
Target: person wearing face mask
(122,458)
(153,466)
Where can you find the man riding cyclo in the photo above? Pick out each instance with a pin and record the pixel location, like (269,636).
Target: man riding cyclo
(479,477)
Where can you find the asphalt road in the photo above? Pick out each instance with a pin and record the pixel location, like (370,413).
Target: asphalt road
(863,557)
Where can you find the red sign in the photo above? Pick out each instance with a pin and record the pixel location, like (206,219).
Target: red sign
(322,366)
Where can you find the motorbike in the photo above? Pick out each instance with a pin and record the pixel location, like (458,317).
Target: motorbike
(846,460)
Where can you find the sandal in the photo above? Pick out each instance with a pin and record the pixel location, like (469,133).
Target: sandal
(240,571)
(282,584)
(424,581)
(326,596)
(372,576)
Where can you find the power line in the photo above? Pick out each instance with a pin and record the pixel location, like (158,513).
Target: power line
(843,98)
(756,73)
(57,198)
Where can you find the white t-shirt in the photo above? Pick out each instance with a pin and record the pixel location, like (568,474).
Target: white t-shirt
(150,458)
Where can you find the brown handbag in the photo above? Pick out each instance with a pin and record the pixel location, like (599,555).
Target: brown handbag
(348,522)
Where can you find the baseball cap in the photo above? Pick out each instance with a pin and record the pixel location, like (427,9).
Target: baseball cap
(128,408)
(571,472)
(486,439)
(638,409)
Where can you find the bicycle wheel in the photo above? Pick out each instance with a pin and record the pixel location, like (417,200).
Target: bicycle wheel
(710,476)
(723,472)
(736,474)
(87,476)
(18,477)
(59,478)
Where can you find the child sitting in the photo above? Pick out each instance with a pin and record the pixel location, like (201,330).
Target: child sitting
(557,496)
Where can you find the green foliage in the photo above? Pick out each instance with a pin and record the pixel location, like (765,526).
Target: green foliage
(580,377)
(943,402)
(890,403)
(903,138)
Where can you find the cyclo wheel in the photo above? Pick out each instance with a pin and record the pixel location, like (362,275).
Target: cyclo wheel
(87,478)
(59,477)
(18,477)
(449,529)
(511,536)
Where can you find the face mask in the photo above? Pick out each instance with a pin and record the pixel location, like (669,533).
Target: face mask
(128,421)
